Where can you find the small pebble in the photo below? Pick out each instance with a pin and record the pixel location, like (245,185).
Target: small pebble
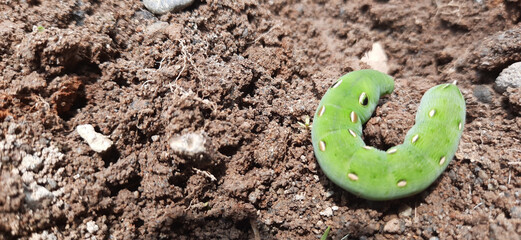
(483,94)
(328,212)
(393,226)
(509,77)
(164,6)
(315,176)
(405,211)
(30,163)
(376,58)
(515,212)
(190,144)
(97,141)
(253,197)
(52,183)
(329,194)
(92,227)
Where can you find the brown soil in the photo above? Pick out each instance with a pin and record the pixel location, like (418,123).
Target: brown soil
(244,74)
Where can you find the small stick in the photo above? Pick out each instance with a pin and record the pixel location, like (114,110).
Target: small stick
(479,204)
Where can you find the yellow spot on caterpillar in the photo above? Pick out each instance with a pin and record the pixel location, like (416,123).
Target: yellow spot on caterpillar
(322,146)
(352,176)
(337,84)
(401,183)
(322,110)
(363,99)
(392,150)
(415,138)
(442,160)
(432,112)
(368,147)
(352,133)
(354,117)
(460,126)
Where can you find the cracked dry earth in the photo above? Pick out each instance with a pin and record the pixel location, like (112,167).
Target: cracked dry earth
(241,75)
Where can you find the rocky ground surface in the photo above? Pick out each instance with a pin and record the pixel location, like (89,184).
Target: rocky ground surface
(117,123)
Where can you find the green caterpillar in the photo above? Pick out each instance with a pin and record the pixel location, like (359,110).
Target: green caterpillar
(400,171)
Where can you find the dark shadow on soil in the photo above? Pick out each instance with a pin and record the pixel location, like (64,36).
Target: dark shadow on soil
(112,155)
(133,184)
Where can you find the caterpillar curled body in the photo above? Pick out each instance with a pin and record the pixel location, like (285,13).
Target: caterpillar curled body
(402,170)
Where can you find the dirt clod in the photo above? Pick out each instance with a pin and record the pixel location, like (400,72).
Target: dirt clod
(243,74)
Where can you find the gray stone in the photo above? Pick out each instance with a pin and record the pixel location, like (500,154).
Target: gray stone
(509,77)
(164,6)
(515,212)
(483,94)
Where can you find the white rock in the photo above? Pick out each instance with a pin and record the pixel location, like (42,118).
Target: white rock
(328,212)
(155,138)
(35,193)
(190,144)
(376,58)
(509,77)
(30,163)
(316,178)
(92,227)
(97,141)
(164,6)
(329,193)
